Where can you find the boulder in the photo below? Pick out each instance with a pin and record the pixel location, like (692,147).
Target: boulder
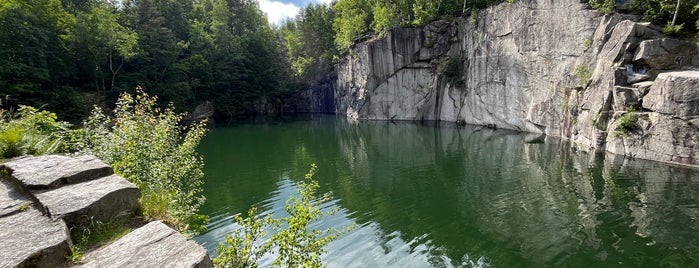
(101,199)
(52,171)
(153,245)
(675,93)
(30,239)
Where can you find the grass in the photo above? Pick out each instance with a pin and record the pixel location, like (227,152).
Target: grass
(98,233)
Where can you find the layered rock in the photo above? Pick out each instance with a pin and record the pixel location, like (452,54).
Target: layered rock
(552,67)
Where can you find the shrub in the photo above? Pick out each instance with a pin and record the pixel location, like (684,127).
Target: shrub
(627,122)
(452,71)
(147,146)
(32,131)
(670,29)
(297,246)
(604,6)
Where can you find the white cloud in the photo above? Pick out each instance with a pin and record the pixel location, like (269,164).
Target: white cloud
(276,11)
(325,1)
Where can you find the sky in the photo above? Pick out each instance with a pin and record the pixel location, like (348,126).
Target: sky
(277,10)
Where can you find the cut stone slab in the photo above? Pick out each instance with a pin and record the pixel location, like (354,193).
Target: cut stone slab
(11,200)
(30,239)
(153,245)
(101,199)
(52,171)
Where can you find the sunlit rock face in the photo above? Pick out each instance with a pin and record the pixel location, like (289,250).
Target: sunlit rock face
(552,67)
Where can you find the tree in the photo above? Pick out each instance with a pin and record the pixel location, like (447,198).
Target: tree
(107,41)
(33,55)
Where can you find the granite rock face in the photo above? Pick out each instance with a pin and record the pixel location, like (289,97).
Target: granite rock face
(153,245)
(553,67)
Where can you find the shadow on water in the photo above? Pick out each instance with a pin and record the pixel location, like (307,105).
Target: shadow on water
(442,195)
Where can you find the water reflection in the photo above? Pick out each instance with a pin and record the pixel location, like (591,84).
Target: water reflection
(441,195)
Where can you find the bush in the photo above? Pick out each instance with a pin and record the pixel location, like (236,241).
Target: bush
(627,122)
(33,132)
(453,70)
(297,246)
(146,145)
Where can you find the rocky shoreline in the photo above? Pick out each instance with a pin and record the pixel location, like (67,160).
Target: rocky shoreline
(44,197)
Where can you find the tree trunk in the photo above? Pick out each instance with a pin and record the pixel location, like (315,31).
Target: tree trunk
(677,9)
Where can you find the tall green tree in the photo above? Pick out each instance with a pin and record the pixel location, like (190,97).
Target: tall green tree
(33,54)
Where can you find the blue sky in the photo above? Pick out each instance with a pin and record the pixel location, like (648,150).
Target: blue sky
(277,10)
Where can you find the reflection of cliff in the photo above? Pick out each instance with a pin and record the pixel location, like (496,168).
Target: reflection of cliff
(478,192)
(555,67)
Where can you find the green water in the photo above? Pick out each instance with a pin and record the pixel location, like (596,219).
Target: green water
(438,195)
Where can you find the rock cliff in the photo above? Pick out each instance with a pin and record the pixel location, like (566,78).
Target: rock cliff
(555,67)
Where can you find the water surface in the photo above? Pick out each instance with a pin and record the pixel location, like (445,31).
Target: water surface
(438,195)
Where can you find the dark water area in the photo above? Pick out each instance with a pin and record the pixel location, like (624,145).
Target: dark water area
(439,195)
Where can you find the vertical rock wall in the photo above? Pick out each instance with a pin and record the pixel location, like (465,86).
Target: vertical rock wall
(553,67)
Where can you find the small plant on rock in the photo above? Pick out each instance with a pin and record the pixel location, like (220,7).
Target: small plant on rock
(584,74)
(627,122)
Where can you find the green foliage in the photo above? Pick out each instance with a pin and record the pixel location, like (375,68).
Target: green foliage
(353,18)
(627,122)
(295,243)
(309,39)
(588,43)
(97,233)
(240,248)
(662,12)
(453,71)
(584,74)
(146,145)
(424,11)
(670,29)
(384,17)
(473,20)
(32,132)
(604,6)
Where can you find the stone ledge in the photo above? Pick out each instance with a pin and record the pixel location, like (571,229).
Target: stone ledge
(153,245)
(53,171)
(101,200)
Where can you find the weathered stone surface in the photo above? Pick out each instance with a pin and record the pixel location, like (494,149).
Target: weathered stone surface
(101,199)
(153,245)
(625,98)
(675,93)
(30,239)
(52,171)
(11,200)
